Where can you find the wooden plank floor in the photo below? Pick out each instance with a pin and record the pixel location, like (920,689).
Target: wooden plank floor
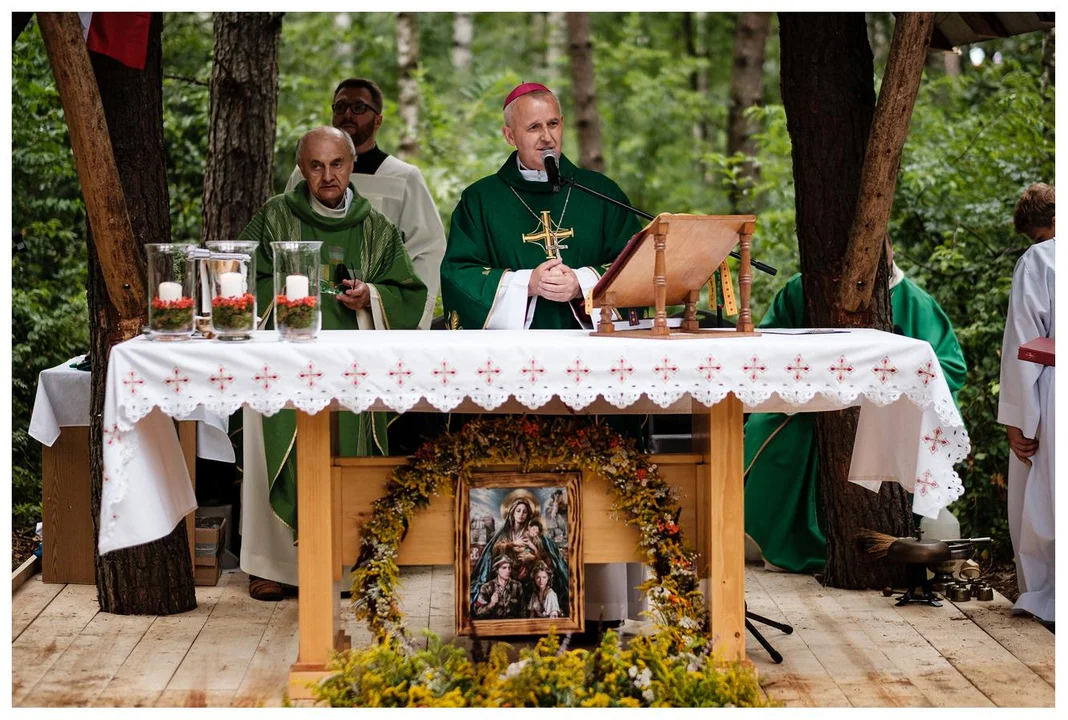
(848,648)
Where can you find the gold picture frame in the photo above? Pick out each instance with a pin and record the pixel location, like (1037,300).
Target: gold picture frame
(519,572)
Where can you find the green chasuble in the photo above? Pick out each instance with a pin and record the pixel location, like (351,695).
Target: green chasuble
(370,243)
(486,239)
(782,513)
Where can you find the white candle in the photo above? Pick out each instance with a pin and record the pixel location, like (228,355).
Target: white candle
(296,287)
(169,291)
(231,284)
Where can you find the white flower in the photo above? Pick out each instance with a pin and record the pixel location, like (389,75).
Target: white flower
(632,671)
(515,668)
(648,695)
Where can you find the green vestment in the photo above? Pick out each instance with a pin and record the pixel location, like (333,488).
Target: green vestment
(367,241)
(485,239)
(782,514)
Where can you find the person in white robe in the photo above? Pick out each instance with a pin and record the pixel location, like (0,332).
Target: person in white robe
(395,188)
(1026,408)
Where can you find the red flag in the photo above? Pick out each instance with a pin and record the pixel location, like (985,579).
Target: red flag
(121,36)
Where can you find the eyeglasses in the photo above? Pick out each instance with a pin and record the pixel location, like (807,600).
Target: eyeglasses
(358,108)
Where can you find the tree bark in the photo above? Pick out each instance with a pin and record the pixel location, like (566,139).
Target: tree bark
(952,61)
(827,90)
(746,91)
(556,46)
(1048,57)
(244,96)
(155,578)
(407,64)
(878,178)
(95,162)
(584,91)
(463,30)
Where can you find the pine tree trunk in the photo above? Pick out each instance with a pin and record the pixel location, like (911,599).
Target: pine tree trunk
(746,90)
(155,578)
(244,96)
(584,91)
(463,30)
(829,97)
(407,64)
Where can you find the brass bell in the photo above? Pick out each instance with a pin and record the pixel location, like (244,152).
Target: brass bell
(960,593)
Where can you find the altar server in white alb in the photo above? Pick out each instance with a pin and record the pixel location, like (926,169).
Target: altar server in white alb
(1026,406)
(395,188)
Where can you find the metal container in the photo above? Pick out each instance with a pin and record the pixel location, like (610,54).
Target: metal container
(959,593)
(923,552)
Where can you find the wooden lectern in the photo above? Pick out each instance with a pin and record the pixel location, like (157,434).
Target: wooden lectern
(667,263)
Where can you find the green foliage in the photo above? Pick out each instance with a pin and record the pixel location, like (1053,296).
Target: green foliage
(975,143)
(649,672)
(49,320)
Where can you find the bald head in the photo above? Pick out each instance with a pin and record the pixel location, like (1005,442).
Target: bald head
(325,156)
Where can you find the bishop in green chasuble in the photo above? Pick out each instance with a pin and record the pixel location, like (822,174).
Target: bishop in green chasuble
(486,242)
(782,513)
(360,237)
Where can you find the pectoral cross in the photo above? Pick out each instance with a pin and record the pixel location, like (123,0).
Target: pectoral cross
(551,238)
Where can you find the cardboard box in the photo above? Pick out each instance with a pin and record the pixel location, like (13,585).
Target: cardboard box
(209,540)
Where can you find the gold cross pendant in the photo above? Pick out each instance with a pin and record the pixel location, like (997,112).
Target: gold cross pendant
(549,238)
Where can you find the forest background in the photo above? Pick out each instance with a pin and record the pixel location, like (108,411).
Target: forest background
(667,89)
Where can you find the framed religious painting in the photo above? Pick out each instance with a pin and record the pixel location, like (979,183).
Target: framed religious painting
(519,554)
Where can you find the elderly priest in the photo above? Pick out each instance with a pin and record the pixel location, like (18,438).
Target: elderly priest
(522,256)
(386,294)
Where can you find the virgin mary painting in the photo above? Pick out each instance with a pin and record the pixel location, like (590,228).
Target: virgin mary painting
(522,538)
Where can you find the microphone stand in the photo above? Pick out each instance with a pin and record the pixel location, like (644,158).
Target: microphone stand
(641,213)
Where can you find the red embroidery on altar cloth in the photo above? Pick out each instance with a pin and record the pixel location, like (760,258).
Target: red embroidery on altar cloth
(355,374)
(176,380)
(400,374)
(883,369)
(937,440)
(132,381)
(265,377)
(578,371)
(310,375)
(841,368)
(665,370)
(709,367)
(623,369)
(754,368)
(221,379)
(925,482)
(798,368)
(532,371)
(926,372)
(444,373)
(489,372)
(113,436)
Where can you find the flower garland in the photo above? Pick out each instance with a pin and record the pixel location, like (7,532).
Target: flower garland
(641,494)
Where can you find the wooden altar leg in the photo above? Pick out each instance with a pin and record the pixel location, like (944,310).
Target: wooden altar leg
(187,436)
(319,603)
(717,435)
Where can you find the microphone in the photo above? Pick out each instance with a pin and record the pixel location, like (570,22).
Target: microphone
(552,169)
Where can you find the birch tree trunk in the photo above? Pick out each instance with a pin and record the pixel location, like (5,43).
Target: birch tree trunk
(584,91)
(746,90)
(463,30)
(556,46)
(244,97)
(407,64)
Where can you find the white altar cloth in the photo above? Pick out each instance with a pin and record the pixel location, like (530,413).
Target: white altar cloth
(62,400)
(909,430)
